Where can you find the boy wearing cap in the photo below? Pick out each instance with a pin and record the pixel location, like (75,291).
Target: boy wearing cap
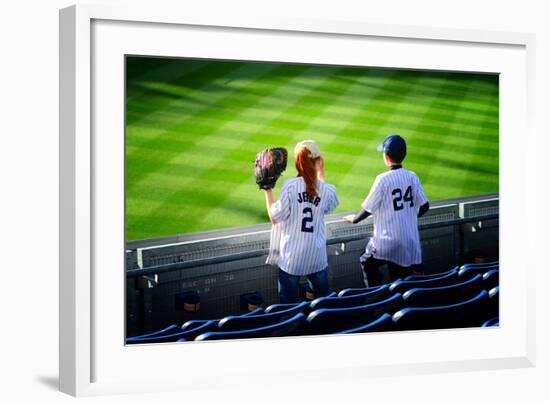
(395,201)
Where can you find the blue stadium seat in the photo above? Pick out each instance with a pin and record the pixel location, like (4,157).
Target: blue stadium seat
(490,279)
(354,291)
(257,311)
(446,295)
(327,321)
(370,297)
(493,306)
(282,307)
(191,324)
(430,276)
(196,323)
(468,271)
(190,334)
(234,323)
(484,264)
(402,285)
(470,313)
(167,330)
(493,322)
(291,326)
(383,323)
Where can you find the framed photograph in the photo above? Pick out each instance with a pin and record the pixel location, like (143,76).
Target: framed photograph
(175,230)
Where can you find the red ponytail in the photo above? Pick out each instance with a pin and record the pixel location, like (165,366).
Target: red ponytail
(306,169)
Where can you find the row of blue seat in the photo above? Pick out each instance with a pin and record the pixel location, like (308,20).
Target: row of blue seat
(354,310)
(387,315)
(471,312)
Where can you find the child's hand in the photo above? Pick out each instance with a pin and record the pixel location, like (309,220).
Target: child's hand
(349,218)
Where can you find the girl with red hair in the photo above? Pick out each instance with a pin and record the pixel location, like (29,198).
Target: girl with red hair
(298,239)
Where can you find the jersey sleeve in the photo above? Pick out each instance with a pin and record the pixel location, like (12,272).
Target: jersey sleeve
(333,201)
(280,210)
(372,202)
(420,196)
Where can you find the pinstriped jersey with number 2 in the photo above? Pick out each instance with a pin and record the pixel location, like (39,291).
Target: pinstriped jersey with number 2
(298,239)
(393,201)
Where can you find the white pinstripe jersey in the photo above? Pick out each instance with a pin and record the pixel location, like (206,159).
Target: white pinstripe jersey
(298,239)
(393,201)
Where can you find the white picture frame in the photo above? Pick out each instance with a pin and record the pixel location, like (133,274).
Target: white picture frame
(92,38)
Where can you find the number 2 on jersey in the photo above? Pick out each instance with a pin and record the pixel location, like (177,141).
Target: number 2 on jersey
(398,198)
(308,218)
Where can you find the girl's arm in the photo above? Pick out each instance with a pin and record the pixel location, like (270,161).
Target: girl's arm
(269,200)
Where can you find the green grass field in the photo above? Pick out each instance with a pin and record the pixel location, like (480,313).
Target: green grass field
(193,129)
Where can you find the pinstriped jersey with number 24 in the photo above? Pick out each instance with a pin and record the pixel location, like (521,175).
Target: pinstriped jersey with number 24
(298,239)
(393,201)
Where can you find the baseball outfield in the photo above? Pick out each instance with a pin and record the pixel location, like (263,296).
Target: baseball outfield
(193,129)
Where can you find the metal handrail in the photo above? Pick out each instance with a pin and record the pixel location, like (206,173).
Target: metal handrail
(261,252)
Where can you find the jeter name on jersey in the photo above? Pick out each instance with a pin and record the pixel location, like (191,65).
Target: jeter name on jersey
(304,197)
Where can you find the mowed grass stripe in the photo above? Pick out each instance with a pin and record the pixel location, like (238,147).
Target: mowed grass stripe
(370,161)
(314,129)
(433,154)
(178,158)
(191,108)
(189,132)
(212,159)
(252,152)
(150,101)
(247,192)
(142,80)
(228,106)
(213,197)
(205,146)
(213,120)
(470,185)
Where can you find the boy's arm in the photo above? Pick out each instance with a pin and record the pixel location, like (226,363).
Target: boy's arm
(356,218)
(423,209)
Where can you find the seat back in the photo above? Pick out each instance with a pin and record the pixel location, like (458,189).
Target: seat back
(245,322)
(326,321)
(446,295)
(490,279)
(190,324)
(493,306)
(209,325)
(493,322)
(167,330)
(468,271)
(282,307)
(383,323)
(430,276)
(354,291)
(470,313)
(484,264)
(290,326)
(370,297)
(402,285)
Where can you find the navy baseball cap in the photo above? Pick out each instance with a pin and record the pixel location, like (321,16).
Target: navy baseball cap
(395,147)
